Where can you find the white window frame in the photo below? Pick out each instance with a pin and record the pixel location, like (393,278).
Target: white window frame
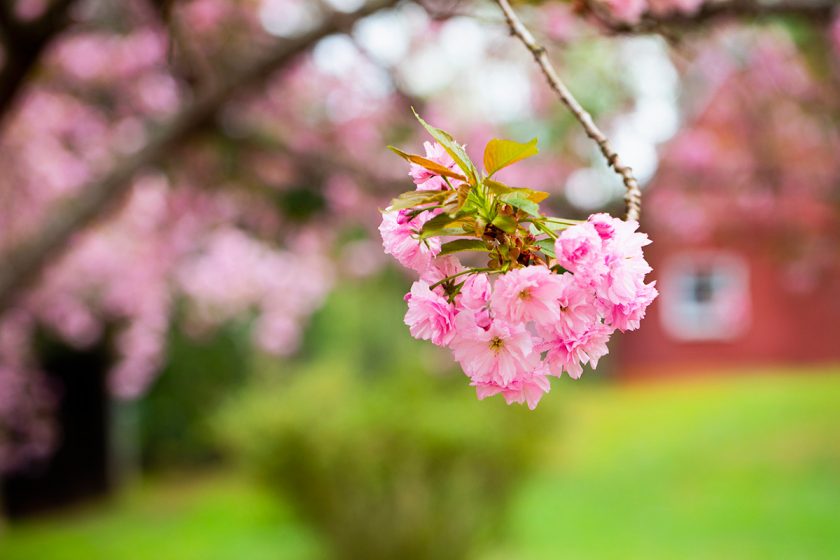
(726,315)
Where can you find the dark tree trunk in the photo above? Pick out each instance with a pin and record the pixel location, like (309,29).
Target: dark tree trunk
(79,467)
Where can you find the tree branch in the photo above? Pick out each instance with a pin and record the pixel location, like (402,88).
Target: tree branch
(188,62)
(709,12)
(22,264)
(633,197)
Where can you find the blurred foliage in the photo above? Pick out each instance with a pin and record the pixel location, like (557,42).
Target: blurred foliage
(183,517)
(743,464)
(594,70)
(738,466)
(812,43)
(174,415)
(372,446)
(301,204)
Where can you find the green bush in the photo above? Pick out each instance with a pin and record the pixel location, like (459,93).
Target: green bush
(174,416)
(380,455)
(403,467)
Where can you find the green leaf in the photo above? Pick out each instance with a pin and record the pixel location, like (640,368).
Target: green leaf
(452,147)
(432,166)
(498,188)
(451,231)
(417,198)
(444,223)
(474,202)
(498,153)
(547,247)
(480,226)
(505,223)
(462,245)
(520,200)
(437,223)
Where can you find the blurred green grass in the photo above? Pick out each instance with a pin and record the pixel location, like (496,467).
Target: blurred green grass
(730,467)
(207,516)
(745,466)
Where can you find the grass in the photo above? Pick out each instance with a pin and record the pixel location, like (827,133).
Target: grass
(744,467)
(209,517)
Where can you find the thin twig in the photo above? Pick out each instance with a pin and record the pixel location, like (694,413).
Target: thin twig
(633,197)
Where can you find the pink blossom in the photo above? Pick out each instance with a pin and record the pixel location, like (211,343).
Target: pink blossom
(475,293)
(577,305)
(400,238)
(258,277)
(604,225)
(560,22)
(204,15)
(688,6)
(835,34)
(624,280)
(625,241)
(569,351)
(528,294)
(442,267)
(622,291)
(429,315)
(498,354)
(665,7)
(527,388)
(628,11)
(29,10)
(579,249)
(427,180)
(627,315)
(475,296)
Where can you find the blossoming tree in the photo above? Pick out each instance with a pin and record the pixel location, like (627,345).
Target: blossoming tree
(203,155)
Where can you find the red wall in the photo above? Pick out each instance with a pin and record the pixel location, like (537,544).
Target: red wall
(787,326)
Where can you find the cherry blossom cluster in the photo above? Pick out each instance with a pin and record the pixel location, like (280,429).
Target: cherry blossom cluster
(552,291)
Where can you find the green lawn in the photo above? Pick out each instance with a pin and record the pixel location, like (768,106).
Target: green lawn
(208,517)
(743,467)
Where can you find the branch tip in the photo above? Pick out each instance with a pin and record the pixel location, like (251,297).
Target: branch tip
(633,196)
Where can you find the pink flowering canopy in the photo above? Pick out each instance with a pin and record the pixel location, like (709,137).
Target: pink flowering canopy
(218,226)
(550,292)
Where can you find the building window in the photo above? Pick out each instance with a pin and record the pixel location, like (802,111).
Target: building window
(705,296)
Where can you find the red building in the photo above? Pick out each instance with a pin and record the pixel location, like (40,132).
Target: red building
(722,307)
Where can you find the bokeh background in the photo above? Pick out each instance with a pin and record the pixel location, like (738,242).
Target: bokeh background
(202,352)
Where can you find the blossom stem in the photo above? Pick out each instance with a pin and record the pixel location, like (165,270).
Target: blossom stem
(468,271)
(633,197)
(564,221)
(544,228)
